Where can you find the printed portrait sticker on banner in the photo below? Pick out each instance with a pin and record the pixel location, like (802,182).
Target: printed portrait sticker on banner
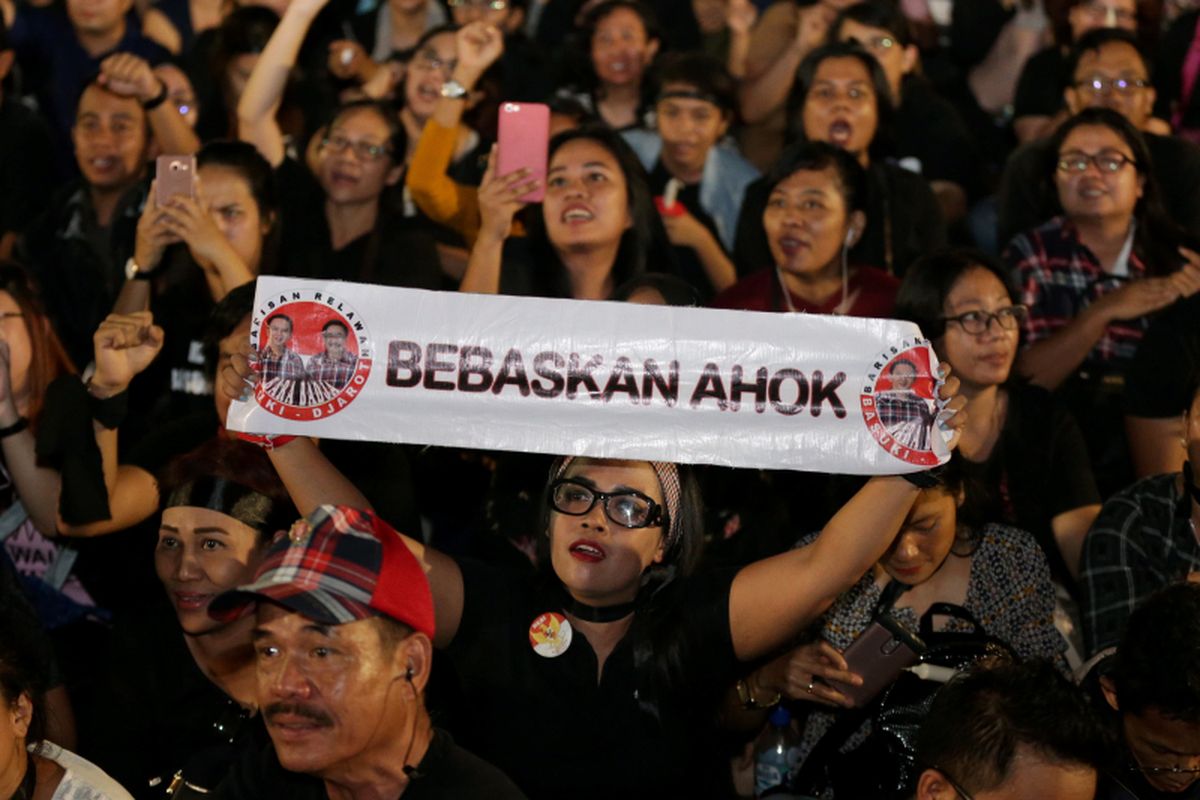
(609,380)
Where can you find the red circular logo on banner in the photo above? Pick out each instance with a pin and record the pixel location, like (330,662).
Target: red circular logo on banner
(899,404)
(312,353)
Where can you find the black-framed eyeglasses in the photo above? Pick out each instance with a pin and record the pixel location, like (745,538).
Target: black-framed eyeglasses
(430,61)
(366,151)
(955,785)
(1174,769)
(629,509)
(1008,318)
(1120,86)
(1076,162)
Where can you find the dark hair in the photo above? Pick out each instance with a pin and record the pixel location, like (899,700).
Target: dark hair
(875,14)
(238,462)
(224,320)
(601,11)
(1158,660)
(48,358)
(25,659)
(567,106)
(807,74)
(642,244)
(1095,41)
(281,315)
(391,633)
(244,31)
(819,156)
(980,719)
(930,279)
(335,323)
(703,73)
(247,162)
(1157,238)
(397,137)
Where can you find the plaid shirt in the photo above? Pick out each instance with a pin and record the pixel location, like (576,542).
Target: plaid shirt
(287,366)
(907,417)
(337,371)
(1141,542)
(1060,277)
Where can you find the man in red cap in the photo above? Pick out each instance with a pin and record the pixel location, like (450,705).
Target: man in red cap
(343,642)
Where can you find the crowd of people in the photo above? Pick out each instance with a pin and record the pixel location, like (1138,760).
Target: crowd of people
(188,611)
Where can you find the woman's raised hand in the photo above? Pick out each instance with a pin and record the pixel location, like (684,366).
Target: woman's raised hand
(125,344)
(500,197)
(952,407)
(479,46)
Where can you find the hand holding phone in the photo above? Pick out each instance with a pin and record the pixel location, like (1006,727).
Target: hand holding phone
(523,142)
(878,656)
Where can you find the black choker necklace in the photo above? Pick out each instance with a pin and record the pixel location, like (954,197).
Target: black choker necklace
(598,613)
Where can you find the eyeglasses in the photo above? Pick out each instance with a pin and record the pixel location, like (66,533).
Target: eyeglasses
(878,44)
(629,509)
(955,785)
(1174,769)
(1118,86)
(1108,161)
(366,151)
(976,322)
(430,61)
(1100,10)
(493,5)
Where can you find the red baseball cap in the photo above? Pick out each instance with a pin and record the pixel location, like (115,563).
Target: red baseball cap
(339,565)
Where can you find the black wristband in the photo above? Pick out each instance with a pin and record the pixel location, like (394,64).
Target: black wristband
(110,411)
(158,99)
(929,479)
(18,426)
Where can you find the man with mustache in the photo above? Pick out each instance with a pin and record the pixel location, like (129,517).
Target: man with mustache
(343,647)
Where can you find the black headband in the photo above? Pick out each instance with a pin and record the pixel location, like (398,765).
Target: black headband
(691,94)
(235,500)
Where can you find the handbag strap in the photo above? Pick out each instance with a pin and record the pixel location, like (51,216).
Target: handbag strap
(888,597)
(952,610)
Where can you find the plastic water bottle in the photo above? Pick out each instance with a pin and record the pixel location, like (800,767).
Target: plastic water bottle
(775,753)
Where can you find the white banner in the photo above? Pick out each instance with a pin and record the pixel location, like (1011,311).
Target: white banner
(613,380)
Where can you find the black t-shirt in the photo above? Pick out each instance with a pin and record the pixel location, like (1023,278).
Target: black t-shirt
(398,252)
(26,165)
(929,129)
(558,732)
(1167,365)
(158,713)
(904,222)
(1040,87)
(447,771)
(1038,469)
(1168,71)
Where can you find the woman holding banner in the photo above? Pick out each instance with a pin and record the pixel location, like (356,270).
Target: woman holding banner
(601,677)
(596,228)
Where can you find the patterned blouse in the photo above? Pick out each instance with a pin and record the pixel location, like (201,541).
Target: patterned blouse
(1010,593)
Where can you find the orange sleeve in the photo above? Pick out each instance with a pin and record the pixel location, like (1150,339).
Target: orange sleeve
(440,197)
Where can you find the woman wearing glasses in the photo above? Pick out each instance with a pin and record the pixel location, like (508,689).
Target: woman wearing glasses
(337,221)
(1092,275)
(1021,448)
(600,677)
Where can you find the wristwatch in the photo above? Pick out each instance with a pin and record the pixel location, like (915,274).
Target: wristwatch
(748,701)
(133,272)
(453,90)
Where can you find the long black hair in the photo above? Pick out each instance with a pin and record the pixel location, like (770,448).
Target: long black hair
(881,143)
(1157,238)
(246,161)
(643,245)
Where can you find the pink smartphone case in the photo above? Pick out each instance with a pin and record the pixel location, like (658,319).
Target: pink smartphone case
(523,138)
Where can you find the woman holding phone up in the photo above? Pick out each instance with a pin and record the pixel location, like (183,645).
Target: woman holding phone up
(600,677)
(596,229)
(936,554)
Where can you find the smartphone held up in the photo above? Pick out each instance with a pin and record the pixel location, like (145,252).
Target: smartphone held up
(173,176)
(523,141)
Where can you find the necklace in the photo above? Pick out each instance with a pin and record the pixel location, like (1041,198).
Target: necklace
(28,783)
(588,613)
